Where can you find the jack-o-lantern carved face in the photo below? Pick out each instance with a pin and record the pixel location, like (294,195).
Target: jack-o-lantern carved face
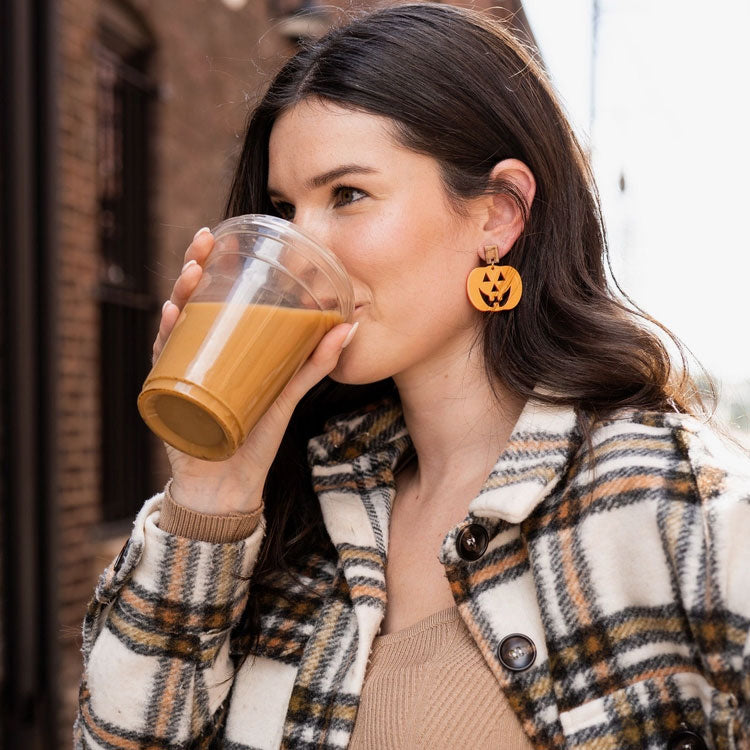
(494,287)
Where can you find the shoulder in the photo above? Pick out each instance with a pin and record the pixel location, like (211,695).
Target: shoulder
(663,469)
(669,490)
(669,444)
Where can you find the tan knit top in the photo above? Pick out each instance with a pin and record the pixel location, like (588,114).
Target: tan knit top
(426,686)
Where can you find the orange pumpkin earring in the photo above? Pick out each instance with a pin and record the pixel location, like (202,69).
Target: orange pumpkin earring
(494,288)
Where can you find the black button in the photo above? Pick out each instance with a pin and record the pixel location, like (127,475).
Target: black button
(121,556)
(517,652)
(472,541)
(686,739)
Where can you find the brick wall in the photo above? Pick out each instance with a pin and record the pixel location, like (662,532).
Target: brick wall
(77,335)
(209,62)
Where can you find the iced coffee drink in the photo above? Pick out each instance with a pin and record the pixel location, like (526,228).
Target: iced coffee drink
(267,296)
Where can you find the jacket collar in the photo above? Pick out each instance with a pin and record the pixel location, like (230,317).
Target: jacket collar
(542,444)
(375,439)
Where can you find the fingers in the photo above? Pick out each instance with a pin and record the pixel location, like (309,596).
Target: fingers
(195,257)
(169,315)
(190,275)
(186,282)
(200,247)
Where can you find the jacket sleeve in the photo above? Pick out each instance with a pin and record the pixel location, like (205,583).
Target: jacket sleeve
(157,666)
(708,543)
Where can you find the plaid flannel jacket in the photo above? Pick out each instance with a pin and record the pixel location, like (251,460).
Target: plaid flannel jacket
(630,575)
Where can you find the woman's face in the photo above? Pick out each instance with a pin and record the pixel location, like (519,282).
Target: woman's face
(383,210)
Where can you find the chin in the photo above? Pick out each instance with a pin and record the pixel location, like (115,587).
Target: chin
(350,371)
(347,378)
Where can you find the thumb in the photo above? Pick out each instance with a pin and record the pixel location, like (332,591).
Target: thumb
(270,428)
(323,360)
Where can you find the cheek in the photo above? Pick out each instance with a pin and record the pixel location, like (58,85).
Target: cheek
(406,248)
(412,255)
(384,347)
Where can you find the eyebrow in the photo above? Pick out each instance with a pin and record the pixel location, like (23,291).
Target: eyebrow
(329,176)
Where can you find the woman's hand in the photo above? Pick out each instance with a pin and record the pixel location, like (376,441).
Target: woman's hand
(236,484)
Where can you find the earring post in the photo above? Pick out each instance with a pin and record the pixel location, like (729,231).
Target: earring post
(491,254)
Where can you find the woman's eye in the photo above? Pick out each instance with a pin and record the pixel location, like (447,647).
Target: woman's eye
(284,210)
(345,195)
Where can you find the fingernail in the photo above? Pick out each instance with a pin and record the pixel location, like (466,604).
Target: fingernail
(350,335)
(188,264)
(200,231)
(164,306)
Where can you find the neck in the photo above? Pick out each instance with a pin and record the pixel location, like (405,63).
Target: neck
(457,424)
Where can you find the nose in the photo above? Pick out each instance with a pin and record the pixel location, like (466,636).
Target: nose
(311,223)
(321,226)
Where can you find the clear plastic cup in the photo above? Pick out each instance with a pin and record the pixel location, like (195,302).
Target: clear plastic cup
(268,294)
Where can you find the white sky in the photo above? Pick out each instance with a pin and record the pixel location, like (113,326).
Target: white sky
(672,114)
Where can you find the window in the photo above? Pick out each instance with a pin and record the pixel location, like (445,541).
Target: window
(124,96)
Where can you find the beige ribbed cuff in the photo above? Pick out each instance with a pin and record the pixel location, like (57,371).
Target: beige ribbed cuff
(205,527)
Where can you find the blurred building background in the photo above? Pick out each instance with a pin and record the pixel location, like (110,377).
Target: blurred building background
(120,127)
(666,130)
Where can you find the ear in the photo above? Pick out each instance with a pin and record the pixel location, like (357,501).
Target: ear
(505,220)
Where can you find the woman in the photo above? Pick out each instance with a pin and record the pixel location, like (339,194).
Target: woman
(507,499)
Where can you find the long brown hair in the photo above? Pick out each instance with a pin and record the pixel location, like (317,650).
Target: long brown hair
(459,87)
